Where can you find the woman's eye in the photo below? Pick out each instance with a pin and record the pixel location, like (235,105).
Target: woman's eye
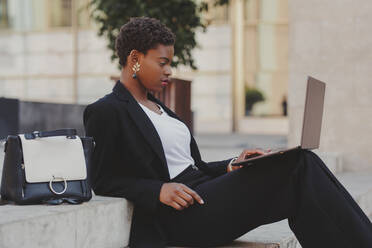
(162,64)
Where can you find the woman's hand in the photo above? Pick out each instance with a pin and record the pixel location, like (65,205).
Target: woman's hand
(244,155)
(178,195)
(231,168)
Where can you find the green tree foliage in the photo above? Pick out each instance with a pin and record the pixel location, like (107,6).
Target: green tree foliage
(183,17)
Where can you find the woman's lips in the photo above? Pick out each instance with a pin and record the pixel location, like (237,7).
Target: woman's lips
(164,82)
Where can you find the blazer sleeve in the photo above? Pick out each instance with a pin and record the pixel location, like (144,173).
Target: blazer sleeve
(108,172)
(217,168)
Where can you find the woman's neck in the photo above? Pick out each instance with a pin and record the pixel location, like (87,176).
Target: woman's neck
(135,87)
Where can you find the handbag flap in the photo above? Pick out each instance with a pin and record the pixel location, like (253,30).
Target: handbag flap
(53,157)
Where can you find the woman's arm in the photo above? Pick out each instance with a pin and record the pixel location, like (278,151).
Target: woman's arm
(215,168)
(110,175)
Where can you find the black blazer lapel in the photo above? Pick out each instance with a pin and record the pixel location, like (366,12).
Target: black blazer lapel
(143,123)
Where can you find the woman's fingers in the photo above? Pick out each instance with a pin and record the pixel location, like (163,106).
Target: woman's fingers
(242,155)
(193,194)
(246,153)
(249,152)
(237,167)
(186,197)
(176,205)
(178,195)
(259,151)
(181,201)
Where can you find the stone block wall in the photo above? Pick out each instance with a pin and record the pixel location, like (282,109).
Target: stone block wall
(212,83)
(39,66)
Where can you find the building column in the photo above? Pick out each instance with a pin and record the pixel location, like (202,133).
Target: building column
(75,33)
(237,22)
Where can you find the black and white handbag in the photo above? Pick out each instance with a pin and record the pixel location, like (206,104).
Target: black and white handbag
(47,167)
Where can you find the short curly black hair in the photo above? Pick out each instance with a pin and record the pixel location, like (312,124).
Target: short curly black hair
(142,34)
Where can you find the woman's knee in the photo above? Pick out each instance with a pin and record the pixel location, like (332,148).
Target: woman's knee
(306,154)
(309,160)
(311,156)
(299,159)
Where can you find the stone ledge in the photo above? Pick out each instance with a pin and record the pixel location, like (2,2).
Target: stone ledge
(101,222)
(105,222)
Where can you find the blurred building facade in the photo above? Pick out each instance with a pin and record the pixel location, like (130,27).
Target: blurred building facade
(50,52)
(331,40)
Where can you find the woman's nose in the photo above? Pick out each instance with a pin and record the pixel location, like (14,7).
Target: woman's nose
(168,71)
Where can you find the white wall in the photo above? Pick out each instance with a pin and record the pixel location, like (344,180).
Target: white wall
(331,40)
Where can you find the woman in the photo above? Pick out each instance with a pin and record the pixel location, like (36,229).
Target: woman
(146,154)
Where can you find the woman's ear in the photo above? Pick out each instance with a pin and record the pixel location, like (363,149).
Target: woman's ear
(135,62)
(134,57)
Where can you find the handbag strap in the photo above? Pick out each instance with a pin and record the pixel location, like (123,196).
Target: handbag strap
(68,132)
(59,201)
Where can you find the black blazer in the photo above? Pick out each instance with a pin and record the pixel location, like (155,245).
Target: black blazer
(129,161)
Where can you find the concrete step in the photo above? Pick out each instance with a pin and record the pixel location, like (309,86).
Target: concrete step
(99,223)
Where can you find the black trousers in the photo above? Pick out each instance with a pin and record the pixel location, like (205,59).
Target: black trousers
(296,186)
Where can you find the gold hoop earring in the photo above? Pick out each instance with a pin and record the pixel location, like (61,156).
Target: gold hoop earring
(135,68)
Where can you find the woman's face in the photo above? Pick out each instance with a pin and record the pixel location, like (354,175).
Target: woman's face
(155,68)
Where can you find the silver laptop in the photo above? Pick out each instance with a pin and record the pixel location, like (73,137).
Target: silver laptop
(311,126)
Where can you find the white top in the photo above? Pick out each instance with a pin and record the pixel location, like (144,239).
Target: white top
(175,138)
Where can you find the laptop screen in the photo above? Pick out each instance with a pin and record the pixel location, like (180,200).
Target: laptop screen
(313,113)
